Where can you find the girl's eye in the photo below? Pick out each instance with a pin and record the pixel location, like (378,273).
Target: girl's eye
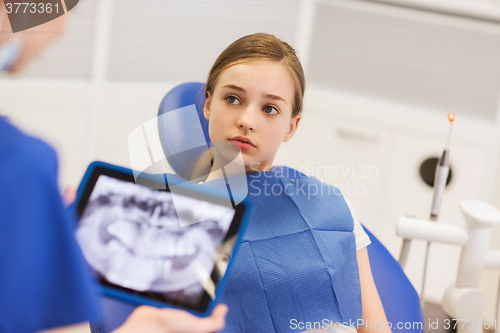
(270,109)
(231,100)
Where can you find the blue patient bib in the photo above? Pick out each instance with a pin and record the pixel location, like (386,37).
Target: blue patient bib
(297,261)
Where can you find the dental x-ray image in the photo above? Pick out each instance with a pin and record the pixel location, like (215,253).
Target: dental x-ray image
(133,238)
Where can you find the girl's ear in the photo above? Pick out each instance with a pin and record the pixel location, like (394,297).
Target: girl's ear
(294,123)
(206,107)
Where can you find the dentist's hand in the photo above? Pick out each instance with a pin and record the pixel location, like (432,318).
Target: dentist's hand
(69,195)
(153,320)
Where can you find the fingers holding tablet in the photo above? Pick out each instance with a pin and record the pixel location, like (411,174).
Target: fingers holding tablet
(152,320)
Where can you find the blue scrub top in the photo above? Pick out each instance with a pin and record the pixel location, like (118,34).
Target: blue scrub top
(44,280)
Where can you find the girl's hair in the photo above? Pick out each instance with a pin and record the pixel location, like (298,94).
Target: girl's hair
(258,46)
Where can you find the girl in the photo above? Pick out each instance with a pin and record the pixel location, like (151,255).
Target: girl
(303,262)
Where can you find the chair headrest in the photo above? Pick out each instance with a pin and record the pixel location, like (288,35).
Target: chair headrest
(181,136)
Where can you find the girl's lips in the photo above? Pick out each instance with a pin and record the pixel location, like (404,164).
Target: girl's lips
(242,145)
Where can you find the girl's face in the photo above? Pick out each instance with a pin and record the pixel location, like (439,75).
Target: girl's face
(253,102)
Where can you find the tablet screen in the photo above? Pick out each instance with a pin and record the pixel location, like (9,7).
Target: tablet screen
(149,242)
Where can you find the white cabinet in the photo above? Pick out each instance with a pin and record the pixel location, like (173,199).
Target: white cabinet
(346,155)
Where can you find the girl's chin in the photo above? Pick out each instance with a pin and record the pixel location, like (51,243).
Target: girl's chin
(256,167)
(244,162)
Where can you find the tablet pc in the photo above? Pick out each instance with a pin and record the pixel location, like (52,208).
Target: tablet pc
(149,244)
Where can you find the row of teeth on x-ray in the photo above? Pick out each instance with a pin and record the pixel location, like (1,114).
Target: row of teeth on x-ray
(155,267)
(156,242)
(142,248)
(140,257)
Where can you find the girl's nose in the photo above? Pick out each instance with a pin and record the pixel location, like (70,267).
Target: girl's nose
(247,119)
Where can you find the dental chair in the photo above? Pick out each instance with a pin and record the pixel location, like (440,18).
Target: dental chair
(180,138)
(399,298)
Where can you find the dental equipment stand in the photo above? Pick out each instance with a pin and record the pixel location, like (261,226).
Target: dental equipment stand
(440,180)
(462,300)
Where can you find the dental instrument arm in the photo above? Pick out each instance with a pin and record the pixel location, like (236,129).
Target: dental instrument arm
(412,228)
(440,179)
